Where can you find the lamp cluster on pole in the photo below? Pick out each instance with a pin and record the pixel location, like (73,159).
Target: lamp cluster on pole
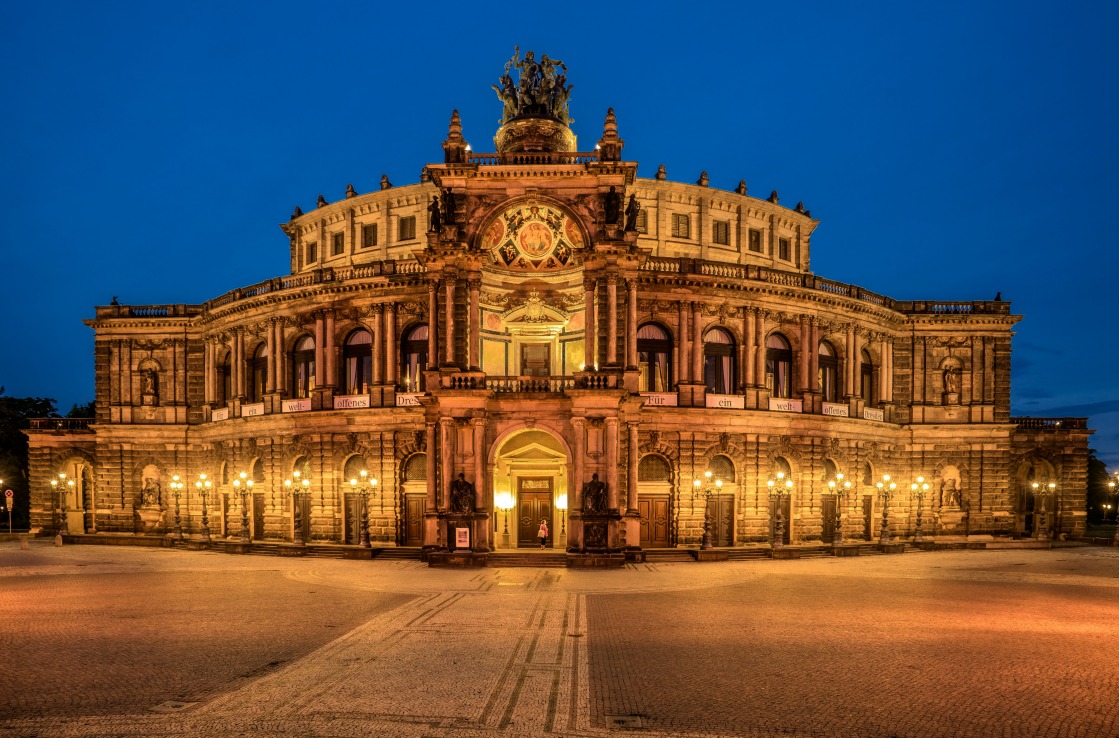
(64,487)
(203,486)
(886,489)
(919,489)
(244,485)
(780,488)
(704,491)
(504,502)
(1044,492)
(297,487)
(177,492)
(362,487)
(1113,489)
(839,487)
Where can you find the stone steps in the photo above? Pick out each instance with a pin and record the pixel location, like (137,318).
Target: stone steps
(542,560)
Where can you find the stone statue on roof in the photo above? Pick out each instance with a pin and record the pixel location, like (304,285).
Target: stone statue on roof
(540,91)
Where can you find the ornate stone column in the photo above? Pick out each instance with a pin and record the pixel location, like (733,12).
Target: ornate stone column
(329,350)
(281,375)
(631,471)
(432,321)
(631,325)
(805,354)
(320,353)
(390,343)
(473,349)
(378,342)
(759,342)
(884,371)
(590,353)
(429,464)
(579,431)
(449,309)
(446,459)
(481,499)
(697,342)
(852,363)
(750,316)
(612,319)
(239,361)
(207,371)
(612,463)
(683,356)
(270,348)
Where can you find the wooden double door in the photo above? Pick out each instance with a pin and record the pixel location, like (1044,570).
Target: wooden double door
(720,510)
(656,520)
(534,503)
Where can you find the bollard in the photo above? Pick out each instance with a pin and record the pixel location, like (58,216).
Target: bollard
(23,543)
(58,540)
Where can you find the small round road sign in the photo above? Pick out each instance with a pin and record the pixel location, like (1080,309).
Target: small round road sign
(9,494)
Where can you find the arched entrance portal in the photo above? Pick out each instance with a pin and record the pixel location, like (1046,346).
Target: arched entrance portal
(530,485)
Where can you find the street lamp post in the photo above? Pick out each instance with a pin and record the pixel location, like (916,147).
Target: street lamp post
(504,502)
(919,489)
(886,490)
(1112,489)
(63,485)
(203,486)
(244,486)
(1044,492)
(839,487)
(561,505)
(176,490)
(779,489)
(363,491)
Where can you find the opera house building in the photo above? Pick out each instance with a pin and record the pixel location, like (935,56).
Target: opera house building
(538,335)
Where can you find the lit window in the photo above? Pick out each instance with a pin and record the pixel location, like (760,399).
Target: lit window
(258,374)
(828,372)
(303,368)
(357,358)
(718,361)
(413,358)
(654,358)
(654,468)
(778,366)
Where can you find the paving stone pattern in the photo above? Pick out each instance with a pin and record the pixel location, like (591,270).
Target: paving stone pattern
(143,642)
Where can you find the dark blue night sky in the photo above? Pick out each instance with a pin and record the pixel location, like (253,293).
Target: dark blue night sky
(951,150)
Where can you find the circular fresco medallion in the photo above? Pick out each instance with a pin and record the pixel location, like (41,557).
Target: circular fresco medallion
(536,239)
(533,236)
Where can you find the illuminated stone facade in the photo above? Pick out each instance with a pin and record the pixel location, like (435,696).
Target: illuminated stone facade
(512,329)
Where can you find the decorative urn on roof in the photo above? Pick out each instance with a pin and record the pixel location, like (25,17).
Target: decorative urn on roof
(535,115)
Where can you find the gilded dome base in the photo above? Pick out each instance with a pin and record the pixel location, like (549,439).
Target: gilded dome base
(534,134)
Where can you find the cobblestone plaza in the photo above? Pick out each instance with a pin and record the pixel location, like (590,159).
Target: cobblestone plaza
(142,642)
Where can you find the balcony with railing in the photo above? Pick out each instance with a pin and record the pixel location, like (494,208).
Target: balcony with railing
(61,424)
(1050,424)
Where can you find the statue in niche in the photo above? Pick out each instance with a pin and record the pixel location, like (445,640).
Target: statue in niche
(462,495)
(150,493)
(632,209)
(149,393)
(433,220)
(594,495)
(612,203)
(951,494)
(952,379)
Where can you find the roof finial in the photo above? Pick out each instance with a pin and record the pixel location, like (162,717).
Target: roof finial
(350,191)
(454,148)
(741,188)
(321,202)
(610,146)
(385,184)
(773,197)
(661,173)
(703,180)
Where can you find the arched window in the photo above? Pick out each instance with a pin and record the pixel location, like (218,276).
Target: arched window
(353,469)
(868,475)
(654,468)
(828,372)
(654,358)
(829,470)
(721,467)
(778,366)
(225,380)
(866,383)
(303,368)
(357,360)
(258,472)
(301,465)
(415,470)
(413,358)
(718,361)
(258,374)
(781,464)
